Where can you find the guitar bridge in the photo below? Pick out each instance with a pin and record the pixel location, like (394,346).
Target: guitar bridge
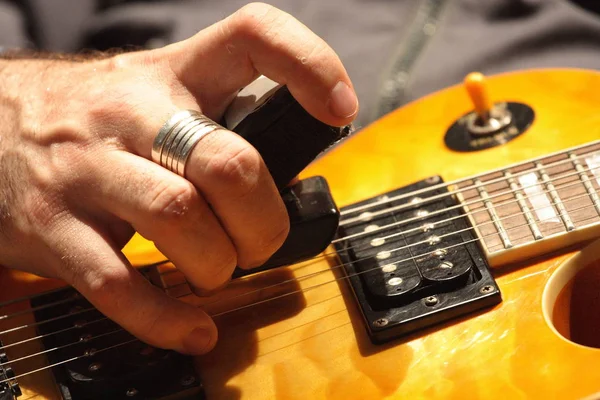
(413,262)
(9,388)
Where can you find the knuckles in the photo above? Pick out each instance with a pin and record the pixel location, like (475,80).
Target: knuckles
(238,169)
(254,20)
(173,201)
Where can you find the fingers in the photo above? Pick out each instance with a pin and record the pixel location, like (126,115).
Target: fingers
(167,209)
(234,179)
(101,273)
(231,175)
(260,39)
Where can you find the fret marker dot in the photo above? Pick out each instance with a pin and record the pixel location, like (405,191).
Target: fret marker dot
(382,255)
(395,281)
(371,228)
(389,268)
(416,200)
(377,242)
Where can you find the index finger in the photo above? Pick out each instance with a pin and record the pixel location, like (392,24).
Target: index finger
(260,39)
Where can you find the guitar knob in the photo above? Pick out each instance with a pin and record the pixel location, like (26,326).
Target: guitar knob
(490,117)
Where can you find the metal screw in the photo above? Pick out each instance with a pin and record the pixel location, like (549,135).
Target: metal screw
(431,301)
(433,179)
(486,289)
(131,392)
(380,322)
(93,367)
(188,380)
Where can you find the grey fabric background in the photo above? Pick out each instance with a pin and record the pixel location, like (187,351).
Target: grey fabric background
(395,51)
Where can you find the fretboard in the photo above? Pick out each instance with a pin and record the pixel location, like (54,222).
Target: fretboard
(537,206)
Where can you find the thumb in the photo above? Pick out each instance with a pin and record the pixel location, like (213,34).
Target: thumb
(102,274)
(260,39)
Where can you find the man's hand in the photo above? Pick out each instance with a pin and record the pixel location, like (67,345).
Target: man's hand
(77,180)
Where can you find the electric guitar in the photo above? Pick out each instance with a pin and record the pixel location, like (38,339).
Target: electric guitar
(459,271)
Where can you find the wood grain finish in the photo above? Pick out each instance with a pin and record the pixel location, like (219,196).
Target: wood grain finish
(312,345)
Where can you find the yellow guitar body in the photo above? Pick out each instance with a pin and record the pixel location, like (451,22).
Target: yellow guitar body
(313,345)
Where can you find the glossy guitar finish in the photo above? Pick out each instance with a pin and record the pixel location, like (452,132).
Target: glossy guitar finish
(313,345)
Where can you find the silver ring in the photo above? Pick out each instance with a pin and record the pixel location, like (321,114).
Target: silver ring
(178,137)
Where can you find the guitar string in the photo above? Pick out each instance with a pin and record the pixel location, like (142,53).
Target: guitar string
(466,203)
(47,292)
(480,209)
(84,339)
(50,350)
(283,283)
(435,187)
(495,180)
(89,353)
(414,258)
(6,346)
(426,200)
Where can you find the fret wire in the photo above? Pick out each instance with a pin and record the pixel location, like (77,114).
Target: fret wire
(535,230)
(586,182)
(493,214)
(337,240)
(555,197)
(463,180)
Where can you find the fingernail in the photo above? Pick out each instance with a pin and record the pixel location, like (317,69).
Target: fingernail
(343,102)
(197,342)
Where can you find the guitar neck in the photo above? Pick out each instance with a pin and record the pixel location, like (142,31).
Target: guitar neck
(535,207)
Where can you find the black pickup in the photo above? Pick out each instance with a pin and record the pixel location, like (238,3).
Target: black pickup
(424,268)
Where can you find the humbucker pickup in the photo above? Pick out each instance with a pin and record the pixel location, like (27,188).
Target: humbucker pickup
(412,263)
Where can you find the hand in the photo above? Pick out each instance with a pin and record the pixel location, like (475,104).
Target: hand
(77,179)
